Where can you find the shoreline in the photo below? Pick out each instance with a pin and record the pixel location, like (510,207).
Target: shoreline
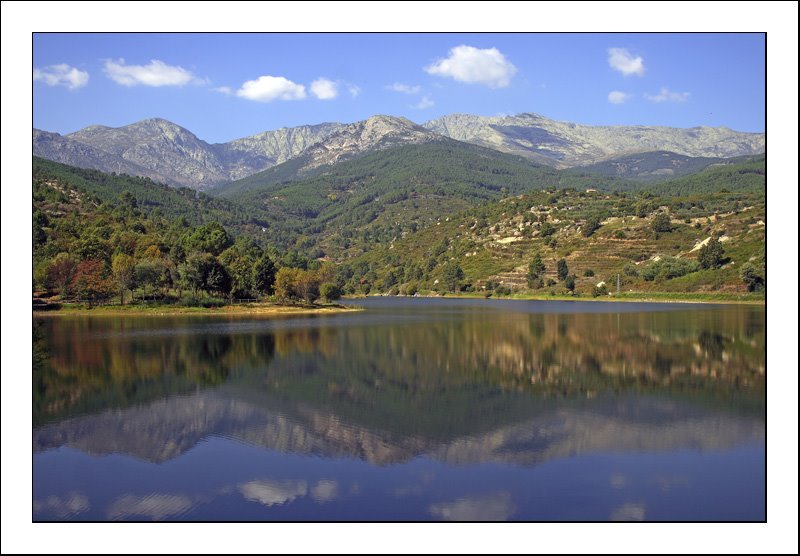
(705,299)
(276,311)
(260,310)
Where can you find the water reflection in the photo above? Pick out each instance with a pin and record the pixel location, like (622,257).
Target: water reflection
(459,388)
(71,505)
(495,507)
(392,374)
(153,506)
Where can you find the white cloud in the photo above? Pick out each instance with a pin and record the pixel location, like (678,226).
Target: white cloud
(225,90)
(62,74)
(495,507)
(403,88)
(468,64)
(72,503)
(324,89)
(325,491)
(629,512)
(273,493)
(154,506)
(618,97)
(624,62)
(354,90)
(426,102)
(665,95)
(268,88)
(154,74)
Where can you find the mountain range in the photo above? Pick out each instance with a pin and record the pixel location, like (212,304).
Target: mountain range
(169,153)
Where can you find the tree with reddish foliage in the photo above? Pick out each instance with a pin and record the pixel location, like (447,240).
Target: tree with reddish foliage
(91,281)
(60,273)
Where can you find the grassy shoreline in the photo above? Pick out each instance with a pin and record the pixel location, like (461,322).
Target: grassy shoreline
(251,309)
(649,297)
(271,310)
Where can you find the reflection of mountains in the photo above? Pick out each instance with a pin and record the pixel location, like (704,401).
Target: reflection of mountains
(168,428)
(422,378)
(463,387)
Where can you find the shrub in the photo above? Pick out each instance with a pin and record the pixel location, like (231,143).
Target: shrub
(669,267)
(597,291)
(591,225)
(661,223)
(712,254)
(562,269)
(588,272)
(630,270)
(753,277)
(330,291)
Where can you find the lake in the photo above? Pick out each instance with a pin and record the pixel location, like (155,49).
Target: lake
(414,409)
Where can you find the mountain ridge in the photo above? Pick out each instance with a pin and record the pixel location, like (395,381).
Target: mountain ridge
(567,144)
(167,152)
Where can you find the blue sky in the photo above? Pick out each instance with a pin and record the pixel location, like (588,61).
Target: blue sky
(226,86)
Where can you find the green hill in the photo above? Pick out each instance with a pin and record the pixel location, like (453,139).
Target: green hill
(386,194)
(656,166)
(493,243)
(150,197)
(747,176)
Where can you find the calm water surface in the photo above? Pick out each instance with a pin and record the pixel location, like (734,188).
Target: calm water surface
(415,409)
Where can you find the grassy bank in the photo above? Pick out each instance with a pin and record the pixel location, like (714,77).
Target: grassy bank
(655,297)
(248,309)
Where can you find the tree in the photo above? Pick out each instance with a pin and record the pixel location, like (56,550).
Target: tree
(92,246)
(535,269)
(123,269)
(240,268)
(753,276)
(307,285)
(218,280)
(452,274)
(712,254)
(330,291)
(61,272)
(264,276)
(40,222)
(194,272)
(592,224)
(562,269)
(661,223)
(569,283)
(148,274)
(285,284)
(209,238)
(90,281)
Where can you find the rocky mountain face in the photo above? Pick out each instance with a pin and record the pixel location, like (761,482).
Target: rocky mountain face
(169,153)
(161,147)
(375,133)
(564,144)
(253,154)
(58,148)
(370,135)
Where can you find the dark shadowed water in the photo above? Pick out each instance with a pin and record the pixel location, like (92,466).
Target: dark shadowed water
(415,409)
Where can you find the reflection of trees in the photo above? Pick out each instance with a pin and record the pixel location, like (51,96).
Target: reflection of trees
(83,365)
(429,378)
(447,377)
